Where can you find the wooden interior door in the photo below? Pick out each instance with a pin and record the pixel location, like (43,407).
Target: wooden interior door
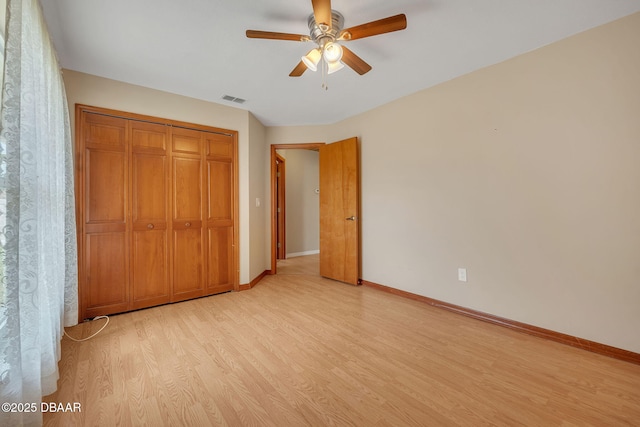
(220,161)
(150,207)
(105,263)
(340,211)
(187,208)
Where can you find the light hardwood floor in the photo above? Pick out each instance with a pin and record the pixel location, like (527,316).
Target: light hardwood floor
(299,350)
(308,265)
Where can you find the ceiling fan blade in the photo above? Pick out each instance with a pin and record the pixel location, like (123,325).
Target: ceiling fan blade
(254,34)
(299,70)
(381,26)
(354,61)
(322,11)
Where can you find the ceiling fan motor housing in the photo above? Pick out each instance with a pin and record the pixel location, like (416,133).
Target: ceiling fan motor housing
(321,33)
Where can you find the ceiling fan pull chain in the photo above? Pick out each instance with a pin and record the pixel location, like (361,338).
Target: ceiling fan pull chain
(324,75)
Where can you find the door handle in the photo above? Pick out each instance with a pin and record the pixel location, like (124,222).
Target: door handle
(352,218)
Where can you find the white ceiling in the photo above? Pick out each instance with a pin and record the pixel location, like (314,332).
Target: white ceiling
(198,48)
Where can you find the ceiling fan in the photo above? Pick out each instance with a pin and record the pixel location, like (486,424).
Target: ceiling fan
(326,30)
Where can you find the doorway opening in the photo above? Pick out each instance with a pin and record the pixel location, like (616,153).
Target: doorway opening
(279,213)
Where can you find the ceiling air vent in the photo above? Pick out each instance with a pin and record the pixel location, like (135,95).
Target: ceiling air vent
(234,99)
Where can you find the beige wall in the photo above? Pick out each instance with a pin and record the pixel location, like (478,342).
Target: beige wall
(526,173)
(297,134)
(96,91)
(258,191)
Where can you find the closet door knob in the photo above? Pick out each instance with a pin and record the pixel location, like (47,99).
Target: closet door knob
(150,226)
(187,224)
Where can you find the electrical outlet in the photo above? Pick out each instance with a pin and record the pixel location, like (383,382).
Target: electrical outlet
(462,274)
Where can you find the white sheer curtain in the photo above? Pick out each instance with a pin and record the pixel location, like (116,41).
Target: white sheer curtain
(39,280)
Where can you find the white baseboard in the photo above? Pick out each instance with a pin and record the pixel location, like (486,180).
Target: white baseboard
(295,254)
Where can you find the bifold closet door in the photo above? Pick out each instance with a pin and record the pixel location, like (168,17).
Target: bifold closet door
(156,211)
(149,217)
(105,273)
(187,209)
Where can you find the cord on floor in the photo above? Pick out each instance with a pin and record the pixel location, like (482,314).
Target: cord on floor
(88,338)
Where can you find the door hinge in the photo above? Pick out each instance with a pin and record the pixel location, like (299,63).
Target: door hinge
(278,175)
(278,210)
(278,245)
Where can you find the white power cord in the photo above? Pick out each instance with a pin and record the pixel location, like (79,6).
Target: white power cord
(88,338)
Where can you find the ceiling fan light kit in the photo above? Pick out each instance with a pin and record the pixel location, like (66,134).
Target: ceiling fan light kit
(325,30)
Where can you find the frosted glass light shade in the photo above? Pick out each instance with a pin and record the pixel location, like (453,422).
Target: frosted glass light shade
(332,52)
(332,67)
(312,58)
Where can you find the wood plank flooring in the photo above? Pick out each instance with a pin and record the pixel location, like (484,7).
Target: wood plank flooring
(308,265)
(299,350)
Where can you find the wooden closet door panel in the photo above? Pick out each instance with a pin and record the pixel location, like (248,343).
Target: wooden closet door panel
(106,132)
(220,186)
(220,260)
(220,146)
(150,269)
(149,137)
(219,226)
(149,189)
(187,264)
(187,189)
(187,210)
(104,267)
(105,183)
(106,287)
(186,141)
